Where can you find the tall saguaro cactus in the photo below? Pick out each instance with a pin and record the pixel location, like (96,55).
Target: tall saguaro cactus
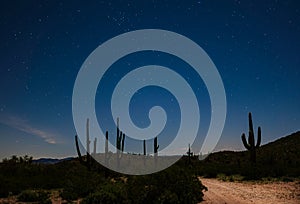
(189,153)
(88,156)
(144,158)
(120,138)
(95,147)
(250,145)
(144,144)
(106,147)
(156,146)
(122,144)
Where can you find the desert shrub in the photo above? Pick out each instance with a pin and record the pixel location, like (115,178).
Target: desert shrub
(99,197)
(107,193)
(168,197)
(222,177)
(34,196)
(237,177)
(210,171)
(175,183)
(79,183)
(287,179)
(231,178)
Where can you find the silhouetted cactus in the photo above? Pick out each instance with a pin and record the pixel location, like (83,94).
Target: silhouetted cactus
(250,145)
(87,163)
(106,147)
(120,143)
(95,147)
(156,146)
(120,138)
(144,144)
(189,153)
(123,140)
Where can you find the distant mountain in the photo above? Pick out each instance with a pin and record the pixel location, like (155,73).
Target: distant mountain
(50,160)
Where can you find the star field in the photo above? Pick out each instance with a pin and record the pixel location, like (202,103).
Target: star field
(254,44)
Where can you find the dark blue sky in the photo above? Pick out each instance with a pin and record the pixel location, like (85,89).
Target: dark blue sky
(254,44)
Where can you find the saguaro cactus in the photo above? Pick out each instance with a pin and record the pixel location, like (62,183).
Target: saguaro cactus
(88,157)
(95,146)
(119,143)
(144,144)
(123,140)
(120,138)
(89,161)
(156,146)
(250,145)
(189,153)
(106,147)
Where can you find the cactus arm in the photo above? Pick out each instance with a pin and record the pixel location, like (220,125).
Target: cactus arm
(258,137)
(247,146)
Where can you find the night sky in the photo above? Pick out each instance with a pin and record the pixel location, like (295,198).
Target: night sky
(255,46)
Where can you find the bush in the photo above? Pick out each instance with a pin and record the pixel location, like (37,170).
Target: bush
(168,197)
(34,196)
(175,183)
(79,183)
(222,177)
(231,178)
(108,192)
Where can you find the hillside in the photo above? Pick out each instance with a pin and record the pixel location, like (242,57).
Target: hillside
(275,159)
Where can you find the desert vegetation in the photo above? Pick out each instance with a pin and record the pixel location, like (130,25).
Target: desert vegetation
(74,181)
(83,179)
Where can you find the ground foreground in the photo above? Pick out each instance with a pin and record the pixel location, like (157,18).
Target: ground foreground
(249,192)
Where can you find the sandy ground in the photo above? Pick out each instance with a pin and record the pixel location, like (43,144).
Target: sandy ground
(220,192)
(245,192)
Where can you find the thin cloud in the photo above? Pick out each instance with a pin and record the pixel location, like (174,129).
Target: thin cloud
(24,126)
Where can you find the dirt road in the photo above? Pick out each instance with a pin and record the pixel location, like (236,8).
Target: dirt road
(243,193)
